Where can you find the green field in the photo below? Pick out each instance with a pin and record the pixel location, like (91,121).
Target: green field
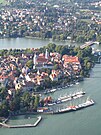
(3,2)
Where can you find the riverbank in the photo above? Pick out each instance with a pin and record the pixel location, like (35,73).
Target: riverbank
(50,39)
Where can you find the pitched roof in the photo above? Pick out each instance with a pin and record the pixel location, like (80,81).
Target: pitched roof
(41,59)
(70,59)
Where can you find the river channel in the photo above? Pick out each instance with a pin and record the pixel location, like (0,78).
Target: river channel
(82,122)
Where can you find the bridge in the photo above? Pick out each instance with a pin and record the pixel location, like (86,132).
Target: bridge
(90,43)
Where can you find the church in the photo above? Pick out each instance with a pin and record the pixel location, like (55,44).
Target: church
(42,61)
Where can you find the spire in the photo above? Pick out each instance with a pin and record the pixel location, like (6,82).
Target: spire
(35,59)
(46,54)
(38,72)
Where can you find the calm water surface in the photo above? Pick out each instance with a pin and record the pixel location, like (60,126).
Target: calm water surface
(29,43)
(83,122)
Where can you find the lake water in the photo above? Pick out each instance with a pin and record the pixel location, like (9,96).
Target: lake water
(83,122)
(29,43)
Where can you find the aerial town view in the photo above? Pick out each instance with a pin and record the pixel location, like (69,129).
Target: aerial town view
(50,67)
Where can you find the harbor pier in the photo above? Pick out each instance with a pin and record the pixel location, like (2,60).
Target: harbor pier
(22,126)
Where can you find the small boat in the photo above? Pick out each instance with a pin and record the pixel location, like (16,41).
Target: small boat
(67,99)
(85,104)
(50,104)
(77,83)
(53,90)
(77,96)
(74,95)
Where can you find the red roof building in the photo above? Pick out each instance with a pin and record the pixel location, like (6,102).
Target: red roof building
(41,60)
(70,59)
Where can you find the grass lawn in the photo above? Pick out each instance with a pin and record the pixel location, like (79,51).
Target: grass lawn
(3,2)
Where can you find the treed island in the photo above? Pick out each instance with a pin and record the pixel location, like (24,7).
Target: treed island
(26,73)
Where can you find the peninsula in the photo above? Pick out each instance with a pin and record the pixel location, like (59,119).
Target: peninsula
(27,73)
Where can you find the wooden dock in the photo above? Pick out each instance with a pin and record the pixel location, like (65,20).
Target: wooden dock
(22,126)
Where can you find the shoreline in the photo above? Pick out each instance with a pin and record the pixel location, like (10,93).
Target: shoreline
(45,39)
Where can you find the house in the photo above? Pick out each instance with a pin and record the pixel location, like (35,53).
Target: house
(55,55)
(28,86)
(12,92)
(76,67)
(18,86)
(12,58)
(70,59)
(25,70)
(3,80)
(71,62)
(55,75)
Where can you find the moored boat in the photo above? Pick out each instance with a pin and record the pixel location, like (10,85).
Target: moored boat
(75,107)
(72,95)
(66,98)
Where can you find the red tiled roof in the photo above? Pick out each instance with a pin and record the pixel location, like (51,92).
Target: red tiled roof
(70,59)
(3,77)
(41,55)
(41,60)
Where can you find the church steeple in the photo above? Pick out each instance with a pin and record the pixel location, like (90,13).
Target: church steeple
(46,54)
(35,59)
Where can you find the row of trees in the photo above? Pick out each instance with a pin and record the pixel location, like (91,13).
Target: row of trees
(19,103)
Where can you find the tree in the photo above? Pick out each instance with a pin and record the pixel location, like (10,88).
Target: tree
(56,66)
(99,38)
(30,64)
(76,49)
(36,103)
(59,49)
(51,47)
(4,109)
(15,104)
(88,65)
(80,54)
(26,99)
(48,83)
(87,51)
(32,102)
(3,92)
(80,39)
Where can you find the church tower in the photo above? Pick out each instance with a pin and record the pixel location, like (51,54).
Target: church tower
(35,60)
(46,54)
